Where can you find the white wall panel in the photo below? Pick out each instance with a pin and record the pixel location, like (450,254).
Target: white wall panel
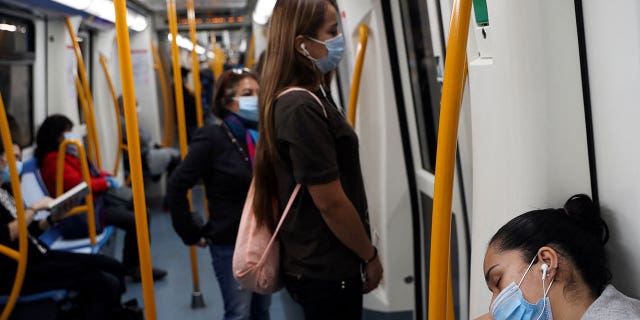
(612,30)
(529,133)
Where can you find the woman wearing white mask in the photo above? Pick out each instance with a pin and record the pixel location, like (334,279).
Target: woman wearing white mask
(222,154)
(327,258)
(551,264)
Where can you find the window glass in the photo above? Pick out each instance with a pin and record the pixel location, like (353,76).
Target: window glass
(16,74)
(423,70)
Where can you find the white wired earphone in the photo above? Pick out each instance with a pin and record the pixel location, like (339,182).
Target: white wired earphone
(544,267)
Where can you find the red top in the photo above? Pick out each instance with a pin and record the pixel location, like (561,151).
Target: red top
(72,174)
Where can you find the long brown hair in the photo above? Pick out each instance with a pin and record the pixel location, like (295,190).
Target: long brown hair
(283,67)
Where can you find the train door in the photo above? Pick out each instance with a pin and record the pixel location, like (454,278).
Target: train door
(397,125)
(420,53)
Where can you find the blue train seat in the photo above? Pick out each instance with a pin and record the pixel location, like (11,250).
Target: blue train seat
(33,189)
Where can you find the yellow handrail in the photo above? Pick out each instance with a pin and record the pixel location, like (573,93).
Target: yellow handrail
(86,176)
(357,73)
(91,138)
(452,91)
(251,60)
(168,114)
(21,254)
(135,158)
(182,130)
(114,98)
(218,60)
(90,119)
(195,70)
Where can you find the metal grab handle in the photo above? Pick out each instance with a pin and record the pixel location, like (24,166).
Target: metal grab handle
(116,106)
(182,131)
(452,92)
(21,254)
(94,143)
(357,73)
(168,112)
(86,176)
(135,158)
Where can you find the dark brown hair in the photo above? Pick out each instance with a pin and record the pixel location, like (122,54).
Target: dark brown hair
(283,67)
(576,231)
(226,88)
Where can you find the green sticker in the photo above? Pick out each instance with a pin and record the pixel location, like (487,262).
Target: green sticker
(482,14)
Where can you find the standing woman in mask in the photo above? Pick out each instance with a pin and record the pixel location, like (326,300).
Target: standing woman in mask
(551,264)
(222,155)
(326,251)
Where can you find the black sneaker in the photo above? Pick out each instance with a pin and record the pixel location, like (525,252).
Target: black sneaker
(136,276)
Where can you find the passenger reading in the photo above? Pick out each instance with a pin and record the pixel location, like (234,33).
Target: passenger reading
(62,204)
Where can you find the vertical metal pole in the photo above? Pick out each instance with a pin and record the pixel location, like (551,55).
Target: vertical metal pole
(195,70)
(90,118)
(182,131)
(135,158)
(168,114)
(453,88)
(21,255)
(116,107)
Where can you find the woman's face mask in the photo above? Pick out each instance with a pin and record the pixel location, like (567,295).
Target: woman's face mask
(5,176)
(510,304)
(335,49)
(248,107)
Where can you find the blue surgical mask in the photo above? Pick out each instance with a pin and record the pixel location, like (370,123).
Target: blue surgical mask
(510,304)
(335,47)
(248,108)
(5,176)
(70,136)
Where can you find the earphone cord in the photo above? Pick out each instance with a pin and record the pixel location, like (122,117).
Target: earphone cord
(544,297)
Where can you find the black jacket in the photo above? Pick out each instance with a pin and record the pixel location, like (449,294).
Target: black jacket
(226,174)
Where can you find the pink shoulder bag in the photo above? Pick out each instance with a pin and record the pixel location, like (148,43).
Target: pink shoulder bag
(256,258)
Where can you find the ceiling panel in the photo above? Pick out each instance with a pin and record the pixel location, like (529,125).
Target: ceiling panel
(158,5)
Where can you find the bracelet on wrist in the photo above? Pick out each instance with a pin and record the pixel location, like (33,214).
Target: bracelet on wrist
(375,255)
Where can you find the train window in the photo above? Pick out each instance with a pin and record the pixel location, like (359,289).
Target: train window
(423,70)
(16,73)
(84,42)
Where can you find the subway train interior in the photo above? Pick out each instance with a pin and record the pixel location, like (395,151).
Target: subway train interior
(548,108)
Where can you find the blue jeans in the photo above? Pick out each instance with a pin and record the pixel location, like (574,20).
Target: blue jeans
(239,304)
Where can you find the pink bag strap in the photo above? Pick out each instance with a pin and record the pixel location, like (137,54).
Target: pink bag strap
(284,215)
(292,89)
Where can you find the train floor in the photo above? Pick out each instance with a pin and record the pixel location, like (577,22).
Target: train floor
(173,294)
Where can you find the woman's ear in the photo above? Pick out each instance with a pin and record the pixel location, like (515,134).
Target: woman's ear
(300,46)
(548,256)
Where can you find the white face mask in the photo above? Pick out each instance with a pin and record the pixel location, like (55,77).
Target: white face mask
(510,304)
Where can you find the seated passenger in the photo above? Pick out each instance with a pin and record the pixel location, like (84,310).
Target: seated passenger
(119,214)
(158,160)
(98,280)
(551,264)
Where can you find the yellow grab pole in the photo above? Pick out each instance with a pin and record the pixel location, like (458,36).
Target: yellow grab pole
(135,158)
(445,158)
(251,60)
(168,115)
(218,60)
(182,130)
(90,119)
(86,176)
(85,111)
(21,255)
(195,70)
(112,90)
(357,73)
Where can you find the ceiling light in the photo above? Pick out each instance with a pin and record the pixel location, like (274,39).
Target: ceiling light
(8,27)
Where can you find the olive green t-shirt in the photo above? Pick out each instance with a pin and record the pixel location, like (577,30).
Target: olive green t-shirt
(315,149)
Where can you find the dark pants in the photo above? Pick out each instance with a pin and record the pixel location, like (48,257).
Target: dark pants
(123,218)
(322,299)
(98,280)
